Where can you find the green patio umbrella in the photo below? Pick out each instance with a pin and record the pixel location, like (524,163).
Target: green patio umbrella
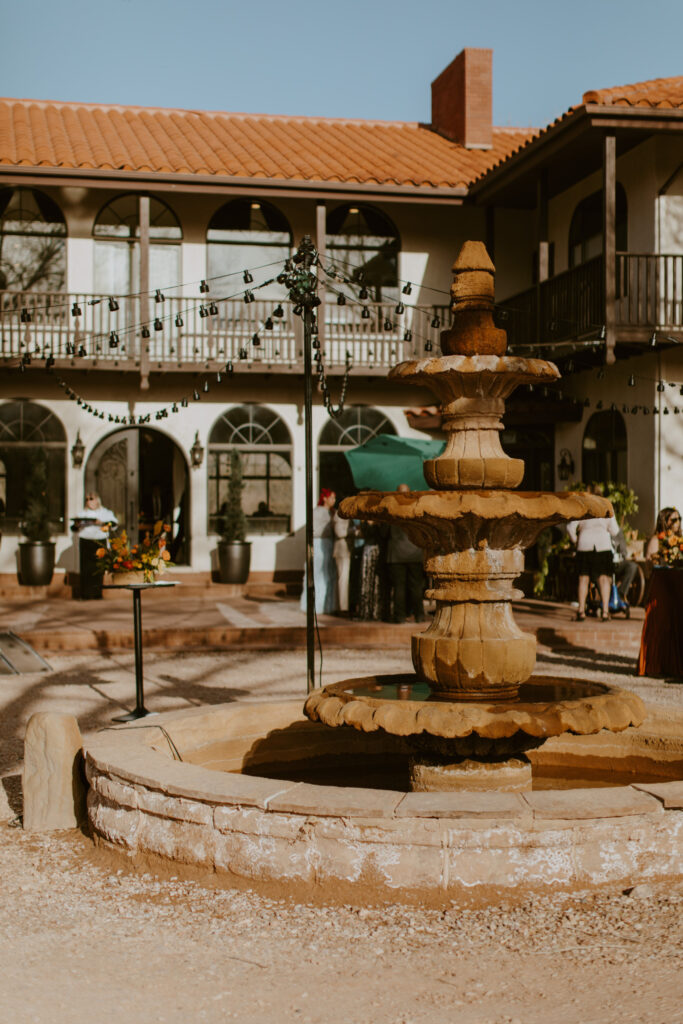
(385,461)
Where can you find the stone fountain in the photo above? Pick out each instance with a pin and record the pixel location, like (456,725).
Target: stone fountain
(262,793)
(471,711)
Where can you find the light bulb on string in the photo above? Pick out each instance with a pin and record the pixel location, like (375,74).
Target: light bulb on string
(256,341)
(365,314)
(278,311)
(407,289)
(184,403)
(145,331)
(363,294)
(158,324)
(268,325)
(206,387)
(631,381)
(400,309)
(218,377)
(408,335)
(246,277)
(341,300)
(76,310)
(248,297)
(159,296)
(174,407)
(195,395)
(203,287)
(203,312)
(113,305)
(179,322)
(113,340)
(228,366)
(436,322)
(388,325)
(213,309)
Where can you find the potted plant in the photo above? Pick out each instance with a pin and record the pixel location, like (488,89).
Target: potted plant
(234,552)
(37,552)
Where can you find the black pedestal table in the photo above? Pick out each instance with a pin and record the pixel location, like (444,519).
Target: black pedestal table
(139,711)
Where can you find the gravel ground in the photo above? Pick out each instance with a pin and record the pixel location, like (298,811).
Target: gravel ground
(83,937)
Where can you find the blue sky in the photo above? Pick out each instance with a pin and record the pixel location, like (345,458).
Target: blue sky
(349,58)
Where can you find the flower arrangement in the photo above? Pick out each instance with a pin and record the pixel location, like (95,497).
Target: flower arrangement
(150,556)
(670,548)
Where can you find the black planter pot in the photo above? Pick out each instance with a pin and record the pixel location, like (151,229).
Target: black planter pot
(36,563)
(234,558)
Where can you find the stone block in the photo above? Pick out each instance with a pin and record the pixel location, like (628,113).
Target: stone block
(670,793)
(336,801)
(53,779)
(576,804)
(461,805)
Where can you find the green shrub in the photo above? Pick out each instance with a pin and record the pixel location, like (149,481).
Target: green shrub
(35,523)
(233,526)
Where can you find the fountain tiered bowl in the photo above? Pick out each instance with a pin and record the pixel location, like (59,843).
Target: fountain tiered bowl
(473,528)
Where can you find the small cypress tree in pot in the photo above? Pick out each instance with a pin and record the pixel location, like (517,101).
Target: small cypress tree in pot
(234,552)
(37,552)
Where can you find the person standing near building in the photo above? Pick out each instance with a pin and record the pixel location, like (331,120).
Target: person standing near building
(90,525)
(324,571)
(404,562)
(593,539)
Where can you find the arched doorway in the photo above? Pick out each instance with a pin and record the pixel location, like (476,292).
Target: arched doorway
(141,474)
(605,449)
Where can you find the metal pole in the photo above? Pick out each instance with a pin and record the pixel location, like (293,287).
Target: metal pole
(137,635)
(302,283)
(308,434)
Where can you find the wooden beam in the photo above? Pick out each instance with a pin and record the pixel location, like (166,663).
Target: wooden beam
(143,212)
(609,251)
(320,235)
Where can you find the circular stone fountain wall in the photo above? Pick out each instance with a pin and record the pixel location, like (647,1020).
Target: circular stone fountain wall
(179,788)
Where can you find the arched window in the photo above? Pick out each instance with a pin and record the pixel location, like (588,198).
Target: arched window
(243,235)
(363,244)
(26,427)
(355,426)
(265,445)
(32,246)
(117,246)
(604,449)
(585,230)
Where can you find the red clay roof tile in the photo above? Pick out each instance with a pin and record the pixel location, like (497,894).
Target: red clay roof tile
(78,135)
(658,92)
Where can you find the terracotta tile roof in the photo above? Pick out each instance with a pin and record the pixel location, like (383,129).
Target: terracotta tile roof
(35,133)
(658,92)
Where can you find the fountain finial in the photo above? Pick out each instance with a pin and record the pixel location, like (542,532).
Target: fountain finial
(473,331)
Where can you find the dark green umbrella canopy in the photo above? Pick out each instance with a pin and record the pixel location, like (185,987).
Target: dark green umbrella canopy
(385,461)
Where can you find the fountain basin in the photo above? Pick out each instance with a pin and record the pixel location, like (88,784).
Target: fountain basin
(238,804)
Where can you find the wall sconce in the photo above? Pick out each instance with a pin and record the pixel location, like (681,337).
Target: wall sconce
(565,467)
(77,452)
(196,452)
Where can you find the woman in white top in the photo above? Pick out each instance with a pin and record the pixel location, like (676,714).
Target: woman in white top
(88,524)
(593,539)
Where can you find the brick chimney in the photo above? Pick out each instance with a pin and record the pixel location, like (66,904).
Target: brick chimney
(462,98)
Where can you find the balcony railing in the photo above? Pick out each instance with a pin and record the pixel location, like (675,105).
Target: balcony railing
(649,294)
(188,340)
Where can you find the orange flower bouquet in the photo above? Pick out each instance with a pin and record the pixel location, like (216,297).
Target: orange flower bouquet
(670,550)
(149,557)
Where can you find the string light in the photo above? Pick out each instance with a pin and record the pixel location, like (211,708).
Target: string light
(159,296)
(113,304)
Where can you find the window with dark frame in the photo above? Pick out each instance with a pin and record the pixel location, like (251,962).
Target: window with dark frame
(32,242)
(265,446)
(25,427)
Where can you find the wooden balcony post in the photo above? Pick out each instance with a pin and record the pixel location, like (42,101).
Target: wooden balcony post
(143,213)
(542,251)
(320,235)
(609,255)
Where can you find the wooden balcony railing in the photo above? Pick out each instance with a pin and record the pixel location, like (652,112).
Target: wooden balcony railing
(649,294)
(650,290)
(187,340)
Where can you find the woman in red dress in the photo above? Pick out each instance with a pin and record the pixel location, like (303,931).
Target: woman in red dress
(661,643)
